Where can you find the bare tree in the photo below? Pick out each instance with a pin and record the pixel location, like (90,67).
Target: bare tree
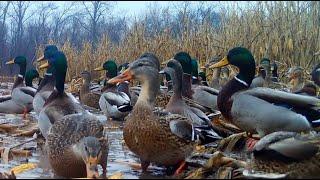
(93,13)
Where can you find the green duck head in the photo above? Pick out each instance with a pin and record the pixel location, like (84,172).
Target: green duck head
(22,62)
(243,59)
(58,62)
(90,152)
(49,51)
(265,63)
(185,61)
(110,67)
(30,75)
(123,67)
(202,75)
(194,65)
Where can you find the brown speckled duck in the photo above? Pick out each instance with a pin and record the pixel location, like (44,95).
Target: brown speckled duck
(86,96)
(153,135)
(288,153)
(75,141)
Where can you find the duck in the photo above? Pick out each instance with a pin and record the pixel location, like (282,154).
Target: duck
(88,97)
(220,76)
(287,154)
(75,141)
(20,100)
(114,102)
(76,145)
(203,78)
(30,75)
(58,104)
(295,75)
(205,96)
(176,105)
(259,81)
(194,72)
(44,90)
(255,110)
(315,75)
(274,71)
(154,135)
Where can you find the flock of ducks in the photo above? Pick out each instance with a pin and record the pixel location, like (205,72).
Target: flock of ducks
(75,138)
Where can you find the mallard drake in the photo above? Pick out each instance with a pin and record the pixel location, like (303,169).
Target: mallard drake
(203,95)
(203,78)
(44,90)
(21,97)
(58,104)
(292,154)
(255,110)
(86,96)
(113,102)
(30,75)
(75,141)
(154,135)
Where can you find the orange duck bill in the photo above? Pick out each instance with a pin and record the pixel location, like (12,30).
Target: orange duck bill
(125,76)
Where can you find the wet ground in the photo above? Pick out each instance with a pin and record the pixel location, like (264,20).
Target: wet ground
(120,159)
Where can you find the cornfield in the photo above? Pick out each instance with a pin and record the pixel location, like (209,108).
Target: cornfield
(285,32)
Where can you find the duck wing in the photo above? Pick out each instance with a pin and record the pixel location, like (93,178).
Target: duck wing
(276,96)
(287,146)
(5,98)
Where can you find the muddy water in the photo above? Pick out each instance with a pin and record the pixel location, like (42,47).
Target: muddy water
(120,158)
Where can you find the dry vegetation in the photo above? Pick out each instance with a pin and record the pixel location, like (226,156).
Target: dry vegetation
(287,32)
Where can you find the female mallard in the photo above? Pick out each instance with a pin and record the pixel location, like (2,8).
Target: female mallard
(295,76)
(86,96)
(255,110)
(260,79)
(155,136)
(21,97)
(288,153)
(75,143)
(113,102)
(58,104)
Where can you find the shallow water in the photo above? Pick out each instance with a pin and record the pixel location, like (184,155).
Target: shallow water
(119,159)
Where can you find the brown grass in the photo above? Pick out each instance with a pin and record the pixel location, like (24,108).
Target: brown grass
(287,32)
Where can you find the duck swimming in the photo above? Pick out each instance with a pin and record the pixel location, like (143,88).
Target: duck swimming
(256,110)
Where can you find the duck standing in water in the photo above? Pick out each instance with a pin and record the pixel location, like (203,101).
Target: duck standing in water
(154,135)
(256,110)
(114,102)
(20,101)
(75,139)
